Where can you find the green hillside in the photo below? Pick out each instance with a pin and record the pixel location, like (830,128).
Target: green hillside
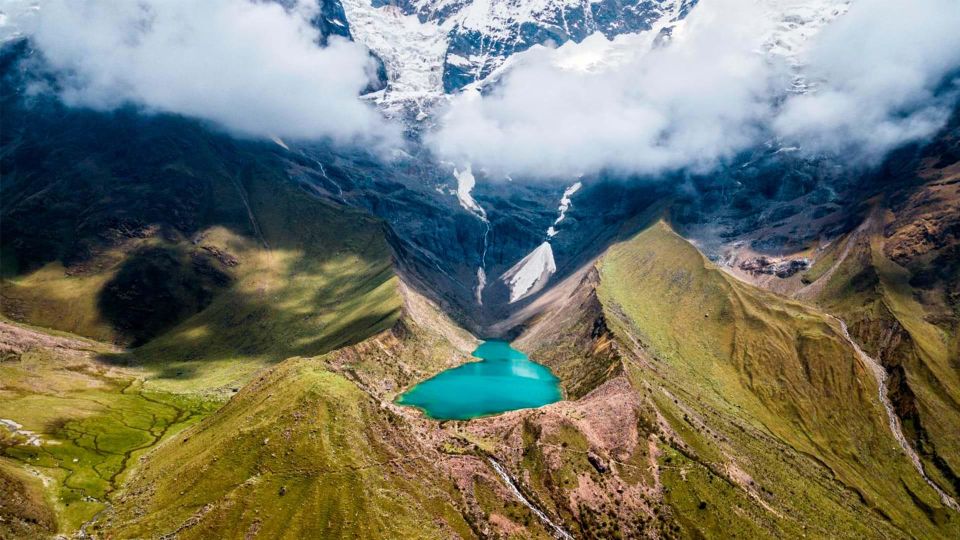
(197,250)
(299,453)
(785,398)
(191,260)
(83,425)
(901,314)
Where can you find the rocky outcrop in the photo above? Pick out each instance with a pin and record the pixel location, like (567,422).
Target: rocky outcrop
(782,268)
(567,331)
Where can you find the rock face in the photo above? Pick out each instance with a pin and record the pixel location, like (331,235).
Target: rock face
(779,268)
(486,34)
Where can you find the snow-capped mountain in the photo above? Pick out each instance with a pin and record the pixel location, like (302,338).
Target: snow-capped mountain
(432,47)
(489,245)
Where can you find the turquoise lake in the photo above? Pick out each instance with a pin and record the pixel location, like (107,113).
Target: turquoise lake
(504,380)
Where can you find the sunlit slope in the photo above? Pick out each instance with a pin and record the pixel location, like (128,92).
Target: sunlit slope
(300,452)
(902,315)
(730,354)
(318,278)
(153,229)
(97,420)
(296,275)
(80,426)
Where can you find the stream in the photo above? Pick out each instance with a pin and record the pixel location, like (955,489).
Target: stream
(881,375)
(557,530)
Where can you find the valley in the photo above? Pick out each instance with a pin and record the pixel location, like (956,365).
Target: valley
(634,449)
(213,333)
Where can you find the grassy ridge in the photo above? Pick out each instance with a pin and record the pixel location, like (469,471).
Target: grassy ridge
(299,453)
(738,355)
(309,450)
(883,310)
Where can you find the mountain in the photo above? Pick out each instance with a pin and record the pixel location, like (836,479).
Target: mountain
(748,429)
(463,42)
(204,336)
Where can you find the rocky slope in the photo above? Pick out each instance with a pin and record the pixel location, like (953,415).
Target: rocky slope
(762,353)
(750,350)
(883,262)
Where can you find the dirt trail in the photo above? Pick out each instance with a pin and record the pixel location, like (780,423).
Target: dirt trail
(881,375)
(558,531)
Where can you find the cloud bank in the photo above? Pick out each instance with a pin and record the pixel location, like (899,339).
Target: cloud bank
(253,67)
(875,76)
(884,75)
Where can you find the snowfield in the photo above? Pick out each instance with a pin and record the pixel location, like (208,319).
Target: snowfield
(530,274)
(465,185)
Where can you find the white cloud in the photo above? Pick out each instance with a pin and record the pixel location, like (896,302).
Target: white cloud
(877,72)
(712,92)
(688,104)
(252,67)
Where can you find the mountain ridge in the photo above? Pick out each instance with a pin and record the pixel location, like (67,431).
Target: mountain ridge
(204,336)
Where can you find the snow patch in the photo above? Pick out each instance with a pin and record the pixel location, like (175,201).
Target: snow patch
(412,51)
(531,273)
(16,429)
(17,18)
(565,202)
(457,60)
(481,284)
(465,185)
(279,142)
(796,22)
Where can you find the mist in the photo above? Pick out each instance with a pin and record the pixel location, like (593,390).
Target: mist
(883,75)
(253,68)
(875,78)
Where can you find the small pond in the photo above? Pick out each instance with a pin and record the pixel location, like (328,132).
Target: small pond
(504,380)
